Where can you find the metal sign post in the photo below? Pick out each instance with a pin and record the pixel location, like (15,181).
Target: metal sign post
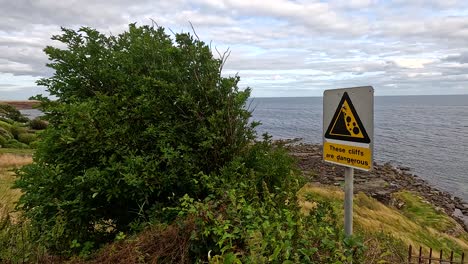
(348,202)
(348,136)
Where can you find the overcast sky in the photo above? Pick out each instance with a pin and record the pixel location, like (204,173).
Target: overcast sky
(279,47)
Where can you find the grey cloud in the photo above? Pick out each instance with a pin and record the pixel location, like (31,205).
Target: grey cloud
(340,43)
(461,58)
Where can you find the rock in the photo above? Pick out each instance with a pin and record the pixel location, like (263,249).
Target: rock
(382,196)
(404,168)
(450,206)
(400,205)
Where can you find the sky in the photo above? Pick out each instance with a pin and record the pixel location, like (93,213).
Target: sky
(278,47)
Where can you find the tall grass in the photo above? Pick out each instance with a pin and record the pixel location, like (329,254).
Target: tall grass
(416,223)
(9,196)
(15,243)
(11,161)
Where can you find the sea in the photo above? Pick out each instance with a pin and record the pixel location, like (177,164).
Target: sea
(428,134)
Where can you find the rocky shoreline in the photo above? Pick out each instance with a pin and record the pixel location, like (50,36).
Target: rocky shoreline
(379,183)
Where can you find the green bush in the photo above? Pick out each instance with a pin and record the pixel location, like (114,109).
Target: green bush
(6,120)
(17,129)
(246,222)
(38,124)
(138,119)
(5,133)
(34,144)
(13,143)
(16,243)
(27,138)
(10,112)
(3,141)
(5,125)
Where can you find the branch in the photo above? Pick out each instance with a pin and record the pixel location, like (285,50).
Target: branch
(194,32)
(154,23)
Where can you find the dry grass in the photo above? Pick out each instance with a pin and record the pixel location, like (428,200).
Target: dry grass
(8,160)
(372,217)
(9,196)
(157,244)
(30,104)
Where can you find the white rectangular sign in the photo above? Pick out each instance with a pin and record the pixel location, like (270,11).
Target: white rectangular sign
(348,127)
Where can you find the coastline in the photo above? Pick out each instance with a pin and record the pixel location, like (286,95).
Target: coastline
(22,105)
(380,183)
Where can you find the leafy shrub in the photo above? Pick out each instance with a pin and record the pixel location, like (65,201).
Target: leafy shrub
(5,133)
(138,120)
(13,143)
(5,125)
(10,112)
(17,129)
(246,222)
(3,141)
(27,138)
(34,144)
(38,124)
(6,120)
(16,245)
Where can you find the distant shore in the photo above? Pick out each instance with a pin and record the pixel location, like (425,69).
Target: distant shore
(379,183)
(22,105)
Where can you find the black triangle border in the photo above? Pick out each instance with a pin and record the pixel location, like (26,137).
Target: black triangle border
(366,138)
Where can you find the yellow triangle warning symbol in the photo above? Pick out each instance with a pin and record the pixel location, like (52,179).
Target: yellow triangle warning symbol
(345,124)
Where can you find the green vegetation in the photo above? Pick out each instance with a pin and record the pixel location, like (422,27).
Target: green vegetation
(424,213)
(16,151)
(163,139)
(16,245)
(38,124)
(149,156)
(16,131)
(417,223)
(124,143)
(11,113)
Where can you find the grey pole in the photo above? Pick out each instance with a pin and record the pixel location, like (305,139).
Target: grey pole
(348,203)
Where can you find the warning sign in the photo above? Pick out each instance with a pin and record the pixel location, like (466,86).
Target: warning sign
(348,118)
(346,124)
(351,156)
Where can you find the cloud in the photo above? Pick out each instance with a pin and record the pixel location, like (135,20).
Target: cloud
(279,47)
(460,58)
(412,63)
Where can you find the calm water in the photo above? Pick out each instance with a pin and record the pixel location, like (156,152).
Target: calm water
(429,134)
(31,113)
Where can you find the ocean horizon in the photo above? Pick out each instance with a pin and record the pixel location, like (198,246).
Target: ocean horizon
(426,133)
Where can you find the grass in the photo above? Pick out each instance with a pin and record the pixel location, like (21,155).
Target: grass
(16,245)
(16,151)
(11,161)
(9,196)
(418,223)
(424,213)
